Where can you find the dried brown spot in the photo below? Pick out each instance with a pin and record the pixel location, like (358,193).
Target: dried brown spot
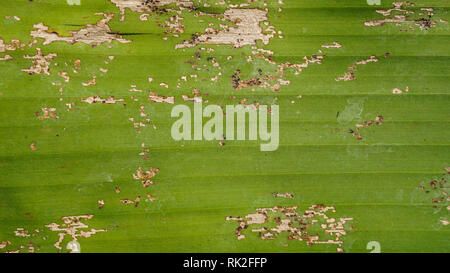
(33,146)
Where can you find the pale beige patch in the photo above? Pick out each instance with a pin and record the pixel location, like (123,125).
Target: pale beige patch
(15,44)
(246,32)
(90,82)
(295,224)
(156,98)
(41,63)
(283,195)
(6,58)
(96,99)
(126,201)
(48,113)
(4,244)
(332,45)
(64,75)
(196,98)
(92,34)
(73,227)
(150,197)
(146,6)
(21,232)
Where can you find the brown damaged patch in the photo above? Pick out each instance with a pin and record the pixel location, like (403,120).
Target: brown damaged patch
(332,45)
(101,204)
(350,74)
(128,201)
(64,75)
(98,99)
(438,190)
(252,106)
(157,98)
(92,34)
(283,195)
(147,5)
(397,91)
(196,98)
(400,14)
(90,82)
(33,146)
(138,125)
(21,232)
(4,244)
(150,197)
(173,25)
(6,58)
(47,113)
(378,121)
(14,45)
(145,176)
(73,227)
(266,81)
(239,84)
(298,67)
(41,63)
(314,226)
(246,32)
(277,80)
